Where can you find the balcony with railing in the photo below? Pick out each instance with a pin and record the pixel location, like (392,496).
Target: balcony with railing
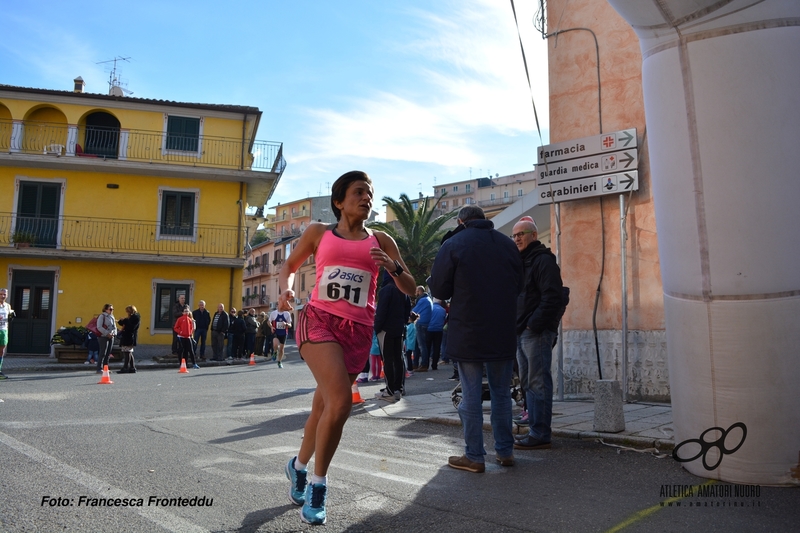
(134,239)
(498,201)
(56,140)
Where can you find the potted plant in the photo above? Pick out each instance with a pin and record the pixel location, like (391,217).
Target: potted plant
(23,239)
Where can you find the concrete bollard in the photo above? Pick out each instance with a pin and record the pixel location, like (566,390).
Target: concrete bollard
(608,414)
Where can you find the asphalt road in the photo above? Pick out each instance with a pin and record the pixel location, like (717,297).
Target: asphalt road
(221,436)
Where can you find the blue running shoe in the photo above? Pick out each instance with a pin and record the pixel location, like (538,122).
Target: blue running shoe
(297,492)
(313,511)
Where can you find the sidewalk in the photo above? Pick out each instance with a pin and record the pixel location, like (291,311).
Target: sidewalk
(646,425)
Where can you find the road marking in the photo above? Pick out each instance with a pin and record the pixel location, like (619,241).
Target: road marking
(164,519)
(644,513)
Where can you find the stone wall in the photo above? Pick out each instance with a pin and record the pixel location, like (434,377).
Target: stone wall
(648,375)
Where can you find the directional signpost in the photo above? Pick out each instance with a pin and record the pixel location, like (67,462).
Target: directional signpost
(592,166)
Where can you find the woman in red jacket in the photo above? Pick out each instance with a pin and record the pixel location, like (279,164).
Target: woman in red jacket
(184,328)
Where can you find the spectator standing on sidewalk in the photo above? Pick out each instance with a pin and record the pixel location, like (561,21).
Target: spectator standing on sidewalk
(391,314)
(435,332)
(184,328)
(177,312)
(480,269)
(219,330)
(410,342)
(202,320)
(251,325)
(128,335)
(423,308)
(538,313)
(107,326)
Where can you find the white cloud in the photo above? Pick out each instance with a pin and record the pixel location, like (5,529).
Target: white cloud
(469,82)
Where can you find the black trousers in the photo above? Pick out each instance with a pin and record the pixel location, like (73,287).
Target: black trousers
(394,367)
(435,346)
(187,349)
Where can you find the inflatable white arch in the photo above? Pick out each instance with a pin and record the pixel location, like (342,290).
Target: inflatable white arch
(721,85)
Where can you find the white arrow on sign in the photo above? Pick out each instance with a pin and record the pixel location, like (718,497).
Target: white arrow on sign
(597,144)
(588,187)
(583,167)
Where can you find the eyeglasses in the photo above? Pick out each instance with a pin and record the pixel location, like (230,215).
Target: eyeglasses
(521,233)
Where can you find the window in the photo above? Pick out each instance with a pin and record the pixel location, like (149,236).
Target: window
(443,190)
(303,282)
(519,192)
(505,195)
(183,134)
(491,196)
(444,205)
(468,201)
(38,207)
(455,202)
(264,299)
(167,295)
(469,187)
(414,206)
(455,188)
(177,213)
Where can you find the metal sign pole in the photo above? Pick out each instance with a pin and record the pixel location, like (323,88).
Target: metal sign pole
(560,346)
(624,275)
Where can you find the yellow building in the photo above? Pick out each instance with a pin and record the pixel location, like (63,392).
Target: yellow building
(129,201)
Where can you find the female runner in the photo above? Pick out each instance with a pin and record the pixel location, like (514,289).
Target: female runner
(334,331)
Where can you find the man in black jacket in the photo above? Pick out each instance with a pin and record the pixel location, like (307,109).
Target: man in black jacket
(219,330)
(538,315)
(480,271)
(391,315)
(202,320)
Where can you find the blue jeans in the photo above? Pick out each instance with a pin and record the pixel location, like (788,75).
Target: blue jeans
(534,356)
(471,410)
(422,343)
(200,338)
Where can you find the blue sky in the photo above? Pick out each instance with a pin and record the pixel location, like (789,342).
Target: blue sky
(409,91)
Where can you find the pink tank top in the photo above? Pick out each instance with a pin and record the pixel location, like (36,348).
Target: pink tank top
(346,278)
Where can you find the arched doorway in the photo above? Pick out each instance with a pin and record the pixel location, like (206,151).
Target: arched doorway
(102,135)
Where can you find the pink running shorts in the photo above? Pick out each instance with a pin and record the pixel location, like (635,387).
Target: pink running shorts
(316,326)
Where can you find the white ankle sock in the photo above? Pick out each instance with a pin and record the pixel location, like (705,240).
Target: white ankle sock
(319,480)
(298,465)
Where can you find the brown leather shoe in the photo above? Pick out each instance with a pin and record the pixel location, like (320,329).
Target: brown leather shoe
(422,369)
(505,461)
(462,463)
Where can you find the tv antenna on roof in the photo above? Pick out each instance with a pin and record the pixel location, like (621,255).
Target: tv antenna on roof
(115,83)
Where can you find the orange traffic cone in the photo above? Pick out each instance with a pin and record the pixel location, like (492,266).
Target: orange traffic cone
(183,367)
(383,376)
(106,379)
(252,359)
(356,395)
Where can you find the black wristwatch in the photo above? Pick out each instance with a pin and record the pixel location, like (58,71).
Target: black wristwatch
(399,270)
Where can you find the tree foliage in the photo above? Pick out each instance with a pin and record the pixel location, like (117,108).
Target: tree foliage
(419,235)
(259,237)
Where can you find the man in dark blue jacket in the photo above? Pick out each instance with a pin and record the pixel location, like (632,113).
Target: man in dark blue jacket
(480,271)
(202,321)
(391,315)
(423,308)
(538,314)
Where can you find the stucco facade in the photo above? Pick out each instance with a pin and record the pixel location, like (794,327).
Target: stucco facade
(104,199)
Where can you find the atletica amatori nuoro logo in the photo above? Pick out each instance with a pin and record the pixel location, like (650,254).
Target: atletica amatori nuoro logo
(706,446)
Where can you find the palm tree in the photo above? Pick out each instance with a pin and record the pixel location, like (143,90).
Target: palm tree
(418,238)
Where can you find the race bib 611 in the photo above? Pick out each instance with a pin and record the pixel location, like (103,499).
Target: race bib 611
(344,283)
